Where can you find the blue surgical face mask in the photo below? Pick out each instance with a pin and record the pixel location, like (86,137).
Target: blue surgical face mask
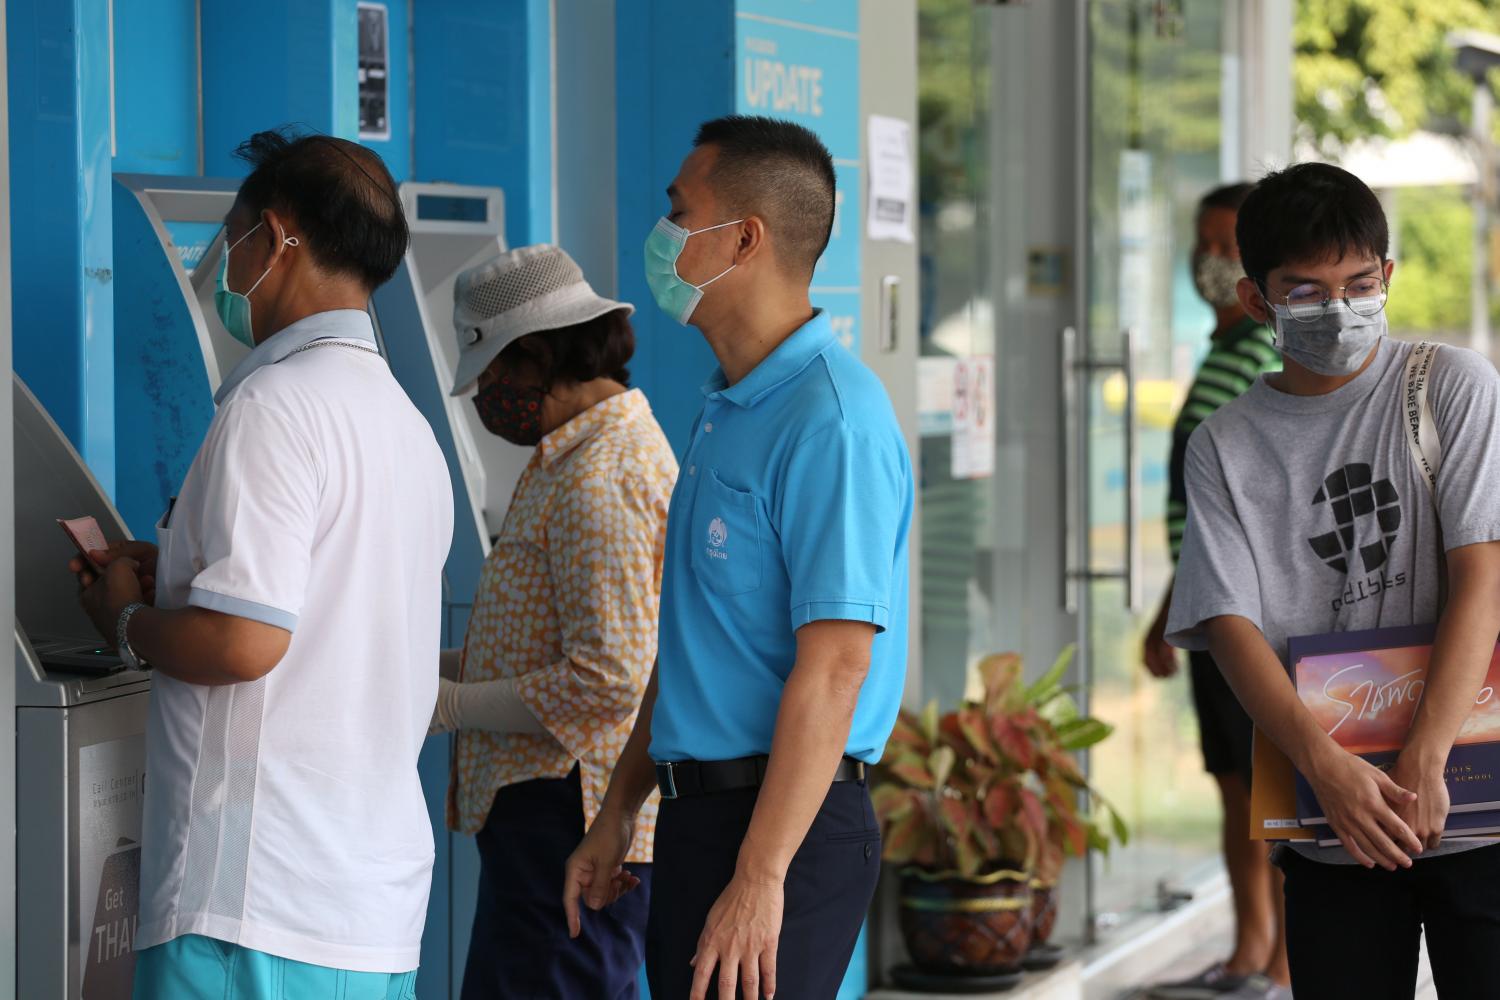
(676,297)
(234,307)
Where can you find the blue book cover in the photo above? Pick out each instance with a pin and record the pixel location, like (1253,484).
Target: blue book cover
(1481,825)
(1363,688)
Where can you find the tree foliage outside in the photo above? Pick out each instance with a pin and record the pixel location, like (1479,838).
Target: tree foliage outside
(1368,69)
(1430,289)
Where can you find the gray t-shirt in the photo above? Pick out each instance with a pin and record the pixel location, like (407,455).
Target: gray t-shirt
(1307,514)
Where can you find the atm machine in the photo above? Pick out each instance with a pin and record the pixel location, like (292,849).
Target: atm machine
(80,741)
(452,228)
(171,351)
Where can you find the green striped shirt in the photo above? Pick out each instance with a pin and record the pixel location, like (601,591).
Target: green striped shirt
(1243,354)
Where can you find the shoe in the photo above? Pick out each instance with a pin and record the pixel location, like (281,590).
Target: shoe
(1259,988)
(1212,983)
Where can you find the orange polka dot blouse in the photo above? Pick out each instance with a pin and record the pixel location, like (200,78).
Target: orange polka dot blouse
(567,605)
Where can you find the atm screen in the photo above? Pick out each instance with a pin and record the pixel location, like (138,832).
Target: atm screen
(192,240)
(452,208)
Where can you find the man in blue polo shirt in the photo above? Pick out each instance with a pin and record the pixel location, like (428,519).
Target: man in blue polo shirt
(782,646)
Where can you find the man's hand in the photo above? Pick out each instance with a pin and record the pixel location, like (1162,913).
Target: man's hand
(143,553)
(740,939)
(1428,814)
(596,871)
(1363,804)
(1160,656)
(106,597)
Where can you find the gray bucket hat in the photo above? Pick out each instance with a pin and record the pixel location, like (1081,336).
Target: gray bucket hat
(521,291)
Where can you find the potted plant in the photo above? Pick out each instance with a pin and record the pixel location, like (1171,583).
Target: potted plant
(1071,828)
(978,808)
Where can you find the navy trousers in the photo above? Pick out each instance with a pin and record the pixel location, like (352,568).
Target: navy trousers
(827,894)
(520,949)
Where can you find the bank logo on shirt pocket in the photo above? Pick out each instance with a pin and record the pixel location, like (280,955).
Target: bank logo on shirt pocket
(727,533)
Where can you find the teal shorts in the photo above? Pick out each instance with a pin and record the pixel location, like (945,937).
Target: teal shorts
(193,967)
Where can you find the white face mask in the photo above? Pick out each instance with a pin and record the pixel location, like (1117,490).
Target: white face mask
(1217,279)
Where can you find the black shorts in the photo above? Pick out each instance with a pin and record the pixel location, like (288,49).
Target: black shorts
(1224,728)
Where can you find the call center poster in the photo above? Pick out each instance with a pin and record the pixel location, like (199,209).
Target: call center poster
(111,781)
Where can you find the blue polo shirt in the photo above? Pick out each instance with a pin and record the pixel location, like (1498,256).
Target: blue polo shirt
(793,505)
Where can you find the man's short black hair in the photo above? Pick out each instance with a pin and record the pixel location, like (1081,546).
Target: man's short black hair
(597,348)
(339,194)
(780,171)
(1309,212)
(1230,196)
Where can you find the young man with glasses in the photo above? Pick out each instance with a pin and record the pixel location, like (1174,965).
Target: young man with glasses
(1307,514)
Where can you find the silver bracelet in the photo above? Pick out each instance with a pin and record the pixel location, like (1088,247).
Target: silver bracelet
(122,641)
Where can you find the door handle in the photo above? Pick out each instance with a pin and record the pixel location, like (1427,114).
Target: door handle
(1068,473)
(1133,599)
(1082,570)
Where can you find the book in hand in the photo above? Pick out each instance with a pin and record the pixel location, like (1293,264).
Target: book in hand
(1363,688)
(1480,826)
(1273,795)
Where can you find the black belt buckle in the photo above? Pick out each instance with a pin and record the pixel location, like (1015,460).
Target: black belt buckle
(666,780)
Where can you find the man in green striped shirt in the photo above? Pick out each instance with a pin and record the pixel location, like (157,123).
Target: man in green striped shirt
(1241,352)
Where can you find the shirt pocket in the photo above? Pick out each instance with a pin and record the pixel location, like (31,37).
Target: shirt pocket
(727,530)
(166,573)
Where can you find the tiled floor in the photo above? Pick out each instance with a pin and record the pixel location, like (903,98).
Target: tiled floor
(1091,974)
(1220,946)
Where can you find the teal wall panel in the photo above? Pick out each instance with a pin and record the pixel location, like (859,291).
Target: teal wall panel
(156,87)
(63,268)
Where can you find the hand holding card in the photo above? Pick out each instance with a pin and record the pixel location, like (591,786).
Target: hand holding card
(86,534)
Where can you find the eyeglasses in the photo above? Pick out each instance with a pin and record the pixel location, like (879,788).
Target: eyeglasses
(1309,303)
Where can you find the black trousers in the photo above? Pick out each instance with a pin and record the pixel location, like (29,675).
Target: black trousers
(828,889)
(520,949)
(1353,932)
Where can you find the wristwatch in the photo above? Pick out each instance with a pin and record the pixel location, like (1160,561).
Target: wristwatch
(122,640)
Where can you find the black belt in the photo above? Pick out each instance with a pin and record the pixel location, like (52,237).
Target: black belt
(680,779)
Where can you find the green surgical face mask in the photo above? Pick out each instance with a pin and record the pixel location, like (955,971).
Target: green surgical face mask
(676,297)
(234,307)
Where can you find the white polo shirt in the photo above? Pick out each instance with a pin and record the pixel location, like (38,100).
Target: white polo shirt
(286,815)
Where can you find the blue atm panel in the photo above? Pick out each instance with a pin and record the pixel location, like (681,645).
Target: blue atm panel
(171,352)
(453,227)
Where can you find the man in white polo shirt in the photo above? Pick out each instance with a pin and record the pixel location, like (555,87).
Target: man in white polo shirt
(292,618)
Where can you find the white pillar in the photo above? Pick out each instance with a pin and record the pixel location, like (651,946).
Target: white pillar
(1263,120)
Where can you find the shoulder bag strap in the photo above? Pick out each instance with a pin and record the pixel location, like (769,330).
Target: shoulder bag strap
(1421,428)
(1426,448)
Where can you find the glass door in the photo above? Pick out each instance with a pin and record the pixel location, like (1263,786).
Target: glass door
(1153,150)
(957,343)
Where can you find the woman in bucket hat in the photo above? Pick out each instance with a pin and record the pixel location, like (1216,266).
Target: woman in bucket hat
(562,636)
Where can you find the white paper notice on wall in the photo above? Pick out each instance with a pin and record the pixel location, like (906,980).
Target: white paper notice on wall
(891,179)
(974,418)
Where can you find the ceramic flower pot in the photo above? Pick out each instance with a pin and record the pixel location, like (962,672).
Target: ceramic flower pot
(958,924)
(1043,911)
